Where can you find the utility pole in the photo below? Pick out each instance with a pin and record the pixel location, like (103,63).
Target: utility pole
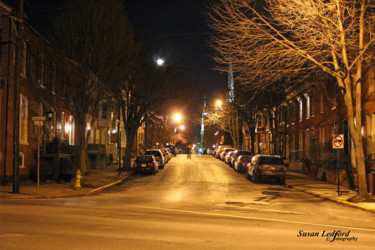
(16,98)
(119,140)
(202,124)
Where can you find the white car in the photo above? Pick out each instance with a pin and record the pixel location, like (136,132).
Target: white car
(159,156)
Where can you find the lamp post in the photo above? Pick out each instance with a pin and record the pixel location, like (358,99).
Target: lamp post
(202,124)
(177,118)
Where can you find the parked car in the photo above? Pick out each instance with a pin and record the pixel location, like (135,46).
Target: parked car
(159,156)
(165,154)
(225,152)
(236,154)
(266,167)
(228,156)
(146,164)
(240,165)
(220,149)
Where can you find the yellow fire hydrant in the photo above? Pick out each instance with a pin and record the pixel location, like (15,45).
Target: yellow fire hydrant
(78,180)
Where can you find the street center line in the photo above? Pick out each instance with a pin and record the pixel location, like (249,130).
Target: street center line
(251,218)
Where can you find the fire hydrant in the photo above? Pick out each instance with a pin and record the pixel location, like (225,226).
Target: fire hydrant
(78,180)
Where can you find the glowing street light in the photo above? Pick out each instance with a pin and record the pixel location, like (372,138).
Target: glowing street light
(177,117)
(219,103)
(182,127)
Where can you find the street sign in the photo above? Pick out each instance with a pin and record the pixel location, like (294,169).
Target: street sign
(338,141)
(39,118)
(38,123)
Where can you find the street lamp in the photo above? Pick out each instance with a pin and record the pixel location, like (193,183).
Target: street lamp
(182,127)
(219,103)
(177,117)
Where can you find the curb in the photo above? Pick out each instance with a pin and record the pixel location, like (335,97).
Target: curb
(99,189)
(104,187)
(351,204)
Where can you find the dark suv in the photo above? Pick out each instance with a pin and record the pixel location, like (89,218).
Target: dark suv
(266,167)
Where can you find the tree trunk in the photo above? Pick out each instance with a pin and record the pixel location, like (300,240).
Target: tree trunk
(128,149)
(252,137)
(355,132)
(82,144)
(360,160)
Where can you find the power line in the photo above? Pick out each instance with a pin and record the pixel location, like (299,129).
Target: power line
(179,34)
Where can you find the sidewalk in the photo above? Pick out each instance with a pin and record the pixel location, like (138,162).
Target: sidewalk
(96,181)
(310,185)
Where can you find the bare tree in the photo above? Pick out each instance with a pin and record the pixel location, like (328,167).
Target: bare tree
(290,37)
(141,93)
(93,35)
(222,116)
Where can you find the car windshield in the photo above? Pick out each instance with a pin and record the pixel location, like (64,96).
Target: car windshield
(244,153)
(246,158)
(270,160)
(154,153)
(144,158)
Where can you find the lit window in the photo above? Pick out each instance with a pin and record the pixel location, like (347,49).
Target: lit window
(300,104)
(322,139)
(370,127)
(307,105)
(371,82)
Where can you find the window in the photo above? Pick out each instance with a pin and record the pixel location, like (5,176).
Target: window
(47,75)
(334,94)
(292,112)
(307,97)
(53,78)
(40,72)
(104,111)
(370,135)
(25,62)
(70,130)
(371,82)
(313,105)
(22,160)
(321,140)
(300,110)
(24,108)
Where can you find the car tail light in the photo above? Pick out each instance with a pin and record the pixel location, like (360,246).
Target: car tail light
(152,164)
(244,164)
(135,164)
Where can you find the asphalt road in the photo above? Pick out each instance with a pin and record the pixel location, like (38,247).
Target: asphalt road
(190,204)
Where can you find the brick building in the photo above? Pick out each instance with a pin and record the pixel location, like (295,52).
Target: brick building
(303,126)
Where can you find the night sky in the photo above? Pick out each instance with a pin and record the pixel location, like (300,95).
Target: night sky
(181,27)
(180,30)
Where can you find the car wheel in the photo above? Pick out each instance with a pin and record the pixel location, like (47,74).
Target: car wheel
(247,176)
(254,178)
